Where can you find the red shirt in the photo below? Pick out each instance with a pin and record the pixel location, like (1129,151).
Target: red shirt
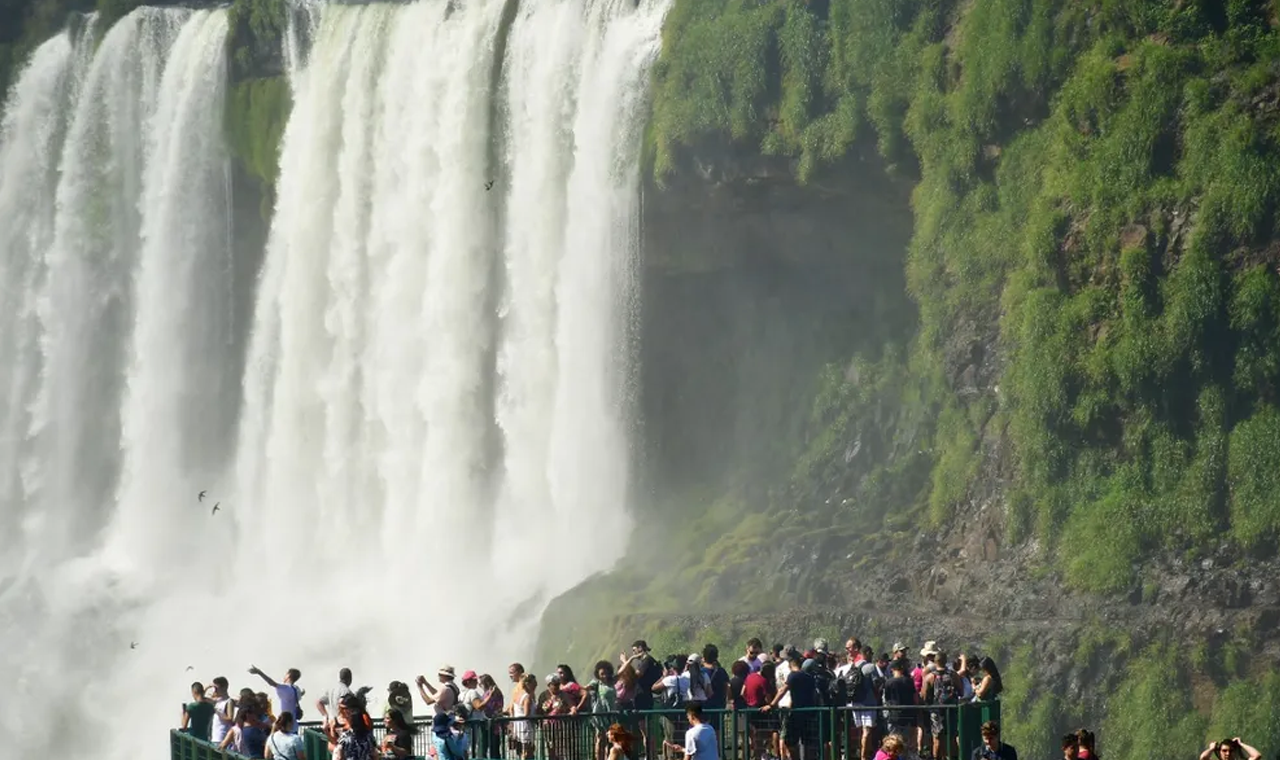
(755,690)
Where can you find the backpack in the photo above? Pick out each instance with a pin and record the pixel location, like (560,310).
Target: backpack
(823,679)
(459,709)
(699,686)
(855,683)
(838,692)
(944,687)
(877,686)
(297,700)
(675,698)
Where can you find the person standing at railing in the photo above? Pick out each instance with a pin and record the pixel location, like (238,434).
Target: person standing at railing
(351,734)
(288,694)
(754,657)
(197,715)
(802,691)
(328,703)
(648,673)
(247,736)
(397,743)
(522,707)
(899,691)
(284,742)
(444,699)
(470,695)
(400,700)
(602,701)
(223,710)
(700,742)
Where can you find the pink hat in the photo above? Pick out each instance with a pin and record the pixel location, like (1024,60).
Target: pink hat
(469,675)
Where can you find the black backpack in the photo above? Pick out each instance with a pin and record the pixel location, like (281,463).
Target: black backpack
(855,682)
(838,692)
(822,680)
(944,687)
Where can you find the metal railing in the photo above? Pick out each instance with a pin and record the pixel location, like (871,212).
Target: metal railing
(184,746)
(820,733)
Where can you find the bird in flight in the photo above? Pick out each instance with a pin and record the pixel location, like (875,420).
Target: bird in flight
(215,509)
(488,185)
(200,496)
(190,668)
(133,645)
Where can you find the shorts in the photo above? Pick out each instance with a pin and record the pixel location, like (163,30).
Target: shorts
(938,724)
(862,718)
(797,727)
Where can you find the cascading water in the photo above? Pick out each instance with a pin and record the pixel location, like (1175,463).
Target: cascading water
(429,438)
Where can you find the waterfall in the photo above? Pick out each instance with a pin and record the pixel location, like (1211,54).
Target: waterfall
(428,438)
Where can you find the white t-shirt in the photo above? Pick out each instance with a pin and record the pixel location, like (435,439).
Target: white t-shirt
(700,742)
(287,696)
(220,725)
(284,746)
(784,670)
(754,664)
(469,696)
(676,684)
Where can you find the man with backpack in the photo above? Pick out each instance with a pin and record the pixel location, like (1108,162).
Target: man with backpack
(288,694)
(444,699)
(857,684)
(941,687)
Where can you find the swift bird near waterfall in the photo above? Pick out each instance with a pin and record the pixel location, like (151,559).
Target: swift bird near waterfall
(200,496)
(488,185)
(215,509)
(133,645)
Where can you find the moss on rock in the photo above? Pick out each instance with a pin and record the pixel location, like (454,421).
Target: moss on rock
(1097,188)
(256,113)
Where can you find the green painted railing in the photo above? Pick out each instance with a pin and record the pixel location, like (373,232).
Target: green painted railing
(184,746)
(823,733)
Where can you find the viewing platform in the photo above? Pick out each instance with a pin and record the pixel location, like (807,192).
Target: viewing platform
(742,734)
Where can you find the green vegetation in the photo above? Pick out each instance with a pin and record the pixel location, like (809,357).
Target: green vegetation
(256,112)
(258,96)
(1097,187)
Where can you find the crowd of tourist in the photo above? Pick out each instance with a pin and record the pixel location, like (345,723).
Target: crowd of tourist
(755,709)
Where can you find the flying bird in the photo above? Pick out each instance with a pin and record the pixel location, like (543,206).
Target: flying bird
(488,185)
(200,496)
(133,645)
(215,509)
(190,668)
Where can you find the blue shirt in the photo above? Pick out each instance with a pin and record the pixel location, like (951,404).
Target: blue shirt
(700,742)
(452,748)
(253,741)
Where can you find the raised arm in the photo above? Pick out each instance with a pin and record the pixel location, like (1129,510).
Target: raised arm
(1250,752)
(1208,751)
(253,670)
(423,685)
